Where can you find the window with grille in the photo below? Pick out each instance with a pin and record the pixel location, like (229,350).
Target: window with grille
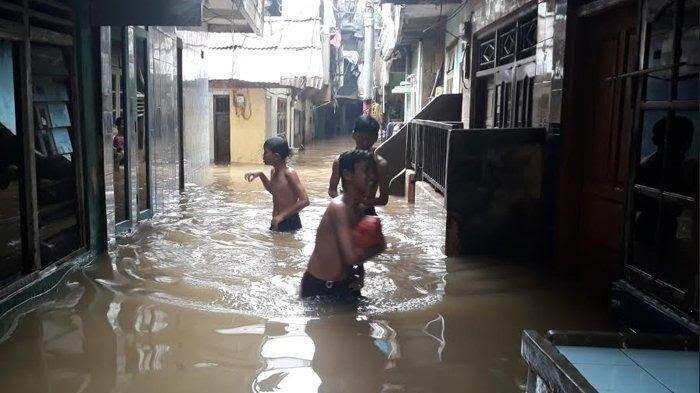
(505,74)
(662,253)
(37,36)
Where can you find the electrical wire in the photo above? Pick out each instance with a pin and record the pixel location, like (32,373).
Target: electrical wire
(247,106)
(438,19)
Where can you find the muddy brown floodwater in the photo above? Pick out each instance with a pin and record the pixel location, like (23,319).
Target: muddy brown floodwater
(203,298)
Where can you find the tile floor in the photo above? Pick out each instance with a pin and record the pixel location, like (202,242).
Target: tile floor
(636,370)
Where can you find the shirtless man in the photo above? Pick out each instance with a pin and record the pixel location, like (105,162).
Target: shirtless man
(288,194)
(365,135)
(329,272)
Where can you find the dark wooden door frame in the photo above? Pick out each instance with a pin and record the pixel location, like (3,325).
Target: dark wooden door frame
(21,40)
(571,184)
(218,159)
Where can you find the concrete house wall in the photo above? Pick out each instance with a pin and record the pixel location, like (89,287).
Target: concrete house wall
(248,133)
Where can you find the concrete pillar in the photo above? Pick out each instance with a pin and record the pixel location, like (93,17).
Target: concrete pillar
(367,68)
(410,186)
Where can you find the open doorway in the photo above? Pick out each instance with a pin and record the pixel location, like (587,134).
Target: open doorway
(222,129)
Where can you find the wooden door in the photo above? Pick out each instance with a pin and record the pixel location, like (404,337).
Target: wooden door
(222,130)
(299,133)
(597,145)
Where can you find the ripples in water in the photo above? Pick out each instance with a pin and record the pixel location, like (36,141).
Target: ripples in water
(214,251)
(204,297)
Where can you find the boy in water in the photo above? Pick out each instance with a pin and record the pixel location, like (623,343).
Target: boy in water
(330,269)
(288,194)
(365,135)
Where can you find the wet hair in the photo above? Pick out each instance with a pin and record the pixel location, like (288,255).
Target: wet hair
(277,145)
(118,121)
(366,124)
(367,101)
(350,158)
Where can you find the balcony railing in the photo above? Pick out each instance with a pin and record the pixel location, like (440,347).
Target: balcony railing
(426,150)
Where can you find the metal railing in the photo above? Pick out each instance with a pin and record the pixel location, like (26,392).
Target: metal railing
(426,150)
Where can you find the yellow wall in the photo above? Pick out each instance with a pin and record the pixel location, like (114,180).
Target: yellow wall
(248,136)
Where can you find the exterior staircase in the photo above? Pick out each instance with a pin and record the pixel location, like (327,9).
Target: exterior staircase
(445,107)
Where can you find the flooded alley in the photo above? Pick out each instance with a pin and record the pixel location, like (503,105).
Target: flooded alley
(205,298)
(553,242)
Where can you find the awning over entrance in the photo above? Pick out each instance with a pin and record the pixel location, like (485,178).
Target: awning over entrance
(288,54)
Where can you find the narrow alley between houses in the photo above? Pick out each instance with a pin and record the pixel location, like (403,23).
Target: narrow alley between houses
(513,207)
(204,295)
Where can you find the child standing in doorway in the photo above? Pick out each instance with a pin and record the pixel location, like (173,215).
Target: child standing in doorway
(288,194)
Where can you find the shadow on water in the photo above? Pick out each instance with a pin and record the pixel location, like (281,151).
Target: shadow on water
(203,296)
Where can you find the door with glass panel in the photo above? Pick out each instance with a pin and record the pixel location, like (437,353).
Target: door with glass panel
(143,172)
(42,220)
(57,168)
(11,173)
(662,221)
(120,136)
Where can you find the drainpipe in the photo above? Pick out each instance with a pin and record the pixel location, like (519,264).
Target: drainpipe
(369,51)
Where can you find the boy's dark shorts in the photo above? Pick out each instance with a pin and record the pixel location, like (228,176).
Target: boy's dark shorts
(315,287)
(370,211)
(290,224)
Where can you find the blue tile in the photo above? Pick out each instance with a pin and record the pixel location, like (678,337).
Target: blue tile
(678,380)
(591,355)
(660,358)
(677,370)
(620,379)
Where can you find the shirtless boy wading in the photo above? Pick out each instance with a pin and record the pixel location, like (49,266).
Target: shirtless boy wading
(329,272)
(288,194)
(365,134)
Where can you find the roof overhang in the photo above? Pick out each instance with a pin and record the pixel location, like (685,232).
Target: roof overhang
(146,13)
(420,19)
(240,16)
(414,2)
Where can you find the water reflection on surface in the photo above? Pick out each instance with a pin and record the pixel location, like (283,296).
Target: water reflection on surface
(204,297)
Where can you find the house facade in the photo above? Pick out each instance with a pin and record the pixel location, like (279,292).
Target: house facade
(103,104)
(253,97)
(588,110)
